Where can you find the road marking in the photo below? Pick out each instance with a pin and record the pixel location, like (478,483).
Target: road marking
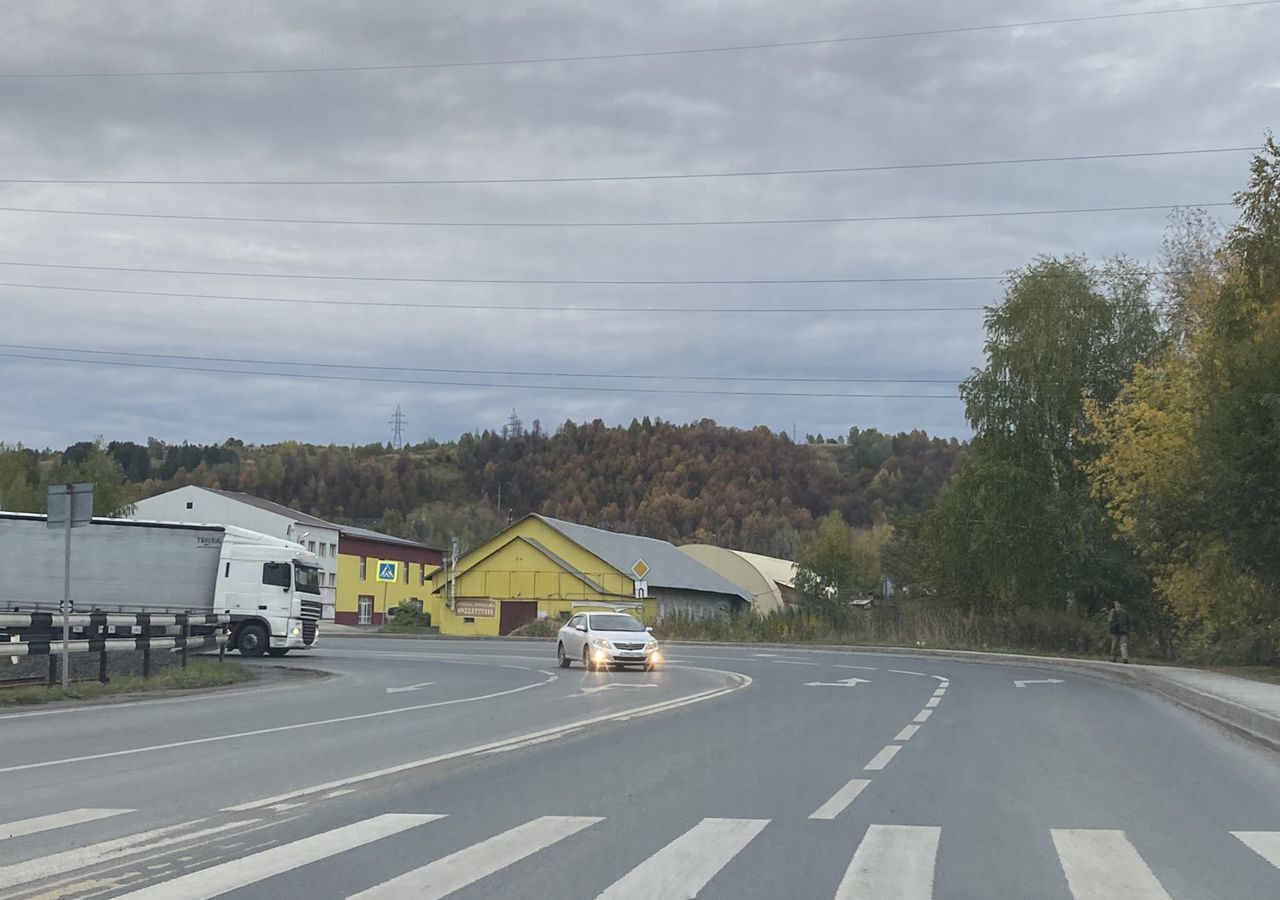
(238,873)
(840,800)
(863,668)
(903,672)
(907,733)
(1103,865)
(881,759)
(106,851)
(923,716)
(285,807)
(413,687)
(457,870)
(614,685)
(932,702)
(766,655)
(893,862)
(942,679)
(273,730)
(530,743)
(682,868)
(845,682)
(340,793)
(939,692)
(797,662)
(1264,843)
(1037,681)
(23,827)
(557,730)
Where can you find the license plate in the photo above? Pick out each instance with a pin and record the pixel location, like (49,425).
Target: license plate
(630,655)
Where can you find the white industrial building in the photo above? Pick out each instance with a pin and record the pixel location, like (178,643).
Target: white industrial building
(209,506)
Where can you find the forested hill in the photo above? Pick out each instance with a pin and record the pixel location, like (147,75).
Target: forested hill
(749,489)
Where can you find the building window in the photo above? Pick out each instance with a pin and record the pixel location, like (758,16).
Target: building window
(364,567)
(190,505)
(333,550)
(333,579)
(364,609)
(468,621)
(422,573)
(405,566)
(322,548)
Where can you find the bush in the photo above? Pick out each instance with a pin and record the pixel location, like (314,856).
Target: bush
(547,627)
(408,617)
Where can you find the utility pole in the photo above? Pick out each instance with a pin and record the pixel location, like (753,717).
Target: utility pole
(397,423)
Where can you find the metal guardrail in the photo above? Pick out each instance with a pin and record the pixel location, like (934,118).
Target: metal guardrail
(40,634)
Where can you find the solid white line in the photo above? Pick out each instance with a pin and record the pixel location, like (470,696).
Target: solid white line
(1264,843)
(24,827)
(682,868)
(530,743)
(840,799)
(893,862)
(457,870)
(902,672)
(237,873)
(743,681)
(863,668)
(796,662)
(923,715)
(1103,865)
(107,851)
(907,733)
(273,730)
(882,758)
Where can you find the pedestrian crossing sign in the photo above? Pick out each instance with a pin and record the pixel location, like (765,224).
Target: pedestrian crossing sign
(388,571)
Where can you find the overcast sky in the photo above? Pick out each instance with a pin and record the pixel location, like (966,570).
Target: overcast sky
(1206,79)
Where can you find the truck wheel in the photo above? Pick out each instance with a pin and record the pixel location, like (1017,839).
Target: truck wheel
(278,651)
(252,640)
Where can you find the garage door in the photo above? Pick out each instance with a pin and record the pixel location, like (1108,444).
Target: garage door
(516,613)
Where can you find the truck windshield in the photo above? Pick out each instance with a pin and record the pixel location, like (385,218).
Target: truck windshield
(306,579)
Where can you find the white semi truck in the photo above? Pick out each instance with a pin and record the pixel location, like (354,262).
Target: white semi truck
(269,586)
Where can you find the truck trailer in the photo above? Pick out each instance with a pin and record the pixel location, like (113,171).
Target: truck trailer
(269,587)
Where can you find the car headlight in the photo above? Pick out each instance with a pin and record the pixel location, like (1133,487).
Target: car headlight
(600,643)
(652,647)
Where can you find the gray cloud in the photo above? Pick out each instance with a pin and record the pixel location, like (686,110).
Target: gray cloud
(1194,80)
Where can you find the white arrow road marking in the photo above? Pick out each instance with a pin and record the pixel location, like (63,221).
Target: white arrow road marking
(1038,681)
(613,684)
(409,687)
(847,682)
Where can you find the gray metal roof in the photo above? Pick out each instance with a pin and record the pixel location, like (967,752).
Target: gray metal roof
(277,508)
(370,535)
(668,566)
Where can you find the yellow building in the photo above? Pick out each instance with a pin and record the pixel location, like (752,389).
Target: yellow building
(363,597)
(542,567)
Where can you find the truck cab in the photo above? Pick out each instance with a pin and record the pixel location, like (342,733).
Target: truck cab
(271,588)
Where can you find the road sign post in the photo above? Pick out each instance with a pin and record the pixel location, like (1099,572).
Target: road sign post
(69,506)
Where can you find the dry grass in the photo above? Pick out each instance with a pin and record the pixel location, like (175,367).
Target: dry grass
(199,673)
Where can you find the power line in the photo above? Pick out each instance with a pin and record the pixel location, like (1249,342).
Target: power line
(507,373)
(423,279)
(478,307)
(672,176)
(471,384)
(811,220)
(641,54)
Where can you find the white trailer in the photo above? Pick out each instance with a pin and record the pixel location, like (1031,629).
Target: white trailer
(269,586)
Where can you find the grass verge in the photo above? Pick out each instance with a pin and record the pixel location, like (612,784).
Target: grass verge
(199,673)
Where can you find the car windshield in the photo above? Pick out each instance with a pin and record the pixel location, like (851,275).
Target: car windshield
(306,579)
(615,623)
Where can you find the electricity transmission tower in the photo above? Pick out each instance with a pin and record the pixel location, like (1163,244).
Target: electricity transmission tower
(397,423)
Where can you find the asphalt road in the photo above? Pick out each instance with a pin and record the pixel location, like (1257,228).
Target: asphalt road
(480,770)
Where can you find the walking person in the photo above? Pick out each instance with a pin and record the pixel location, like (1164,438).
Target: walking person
(1118,624)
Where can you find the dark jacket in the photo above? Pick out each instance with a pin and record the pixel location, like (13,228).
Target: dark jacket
(1119,620)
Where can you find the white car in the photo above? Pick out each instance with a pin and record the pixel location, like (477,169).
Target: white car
(602,639)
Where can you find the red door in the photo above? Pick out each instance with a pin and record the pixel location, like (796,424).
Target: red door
(515,613)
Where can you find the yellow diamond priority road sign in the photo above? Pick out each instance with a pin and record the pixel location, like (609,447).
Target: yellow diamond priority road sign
(640,568)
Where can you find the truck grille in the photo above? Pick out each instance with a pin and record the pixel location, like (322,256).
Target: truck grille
(308,632)
(628,646)
(311,610)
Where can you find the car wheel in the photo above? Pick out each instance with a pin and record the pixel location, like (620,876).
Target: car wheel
(252,640)
(564,660)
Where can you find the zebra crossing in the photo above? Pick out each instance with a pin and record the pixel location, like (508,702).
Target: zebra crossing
(886,862)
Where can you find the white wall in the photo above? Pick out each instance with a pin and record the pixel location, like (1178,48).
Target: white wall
(195,504)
